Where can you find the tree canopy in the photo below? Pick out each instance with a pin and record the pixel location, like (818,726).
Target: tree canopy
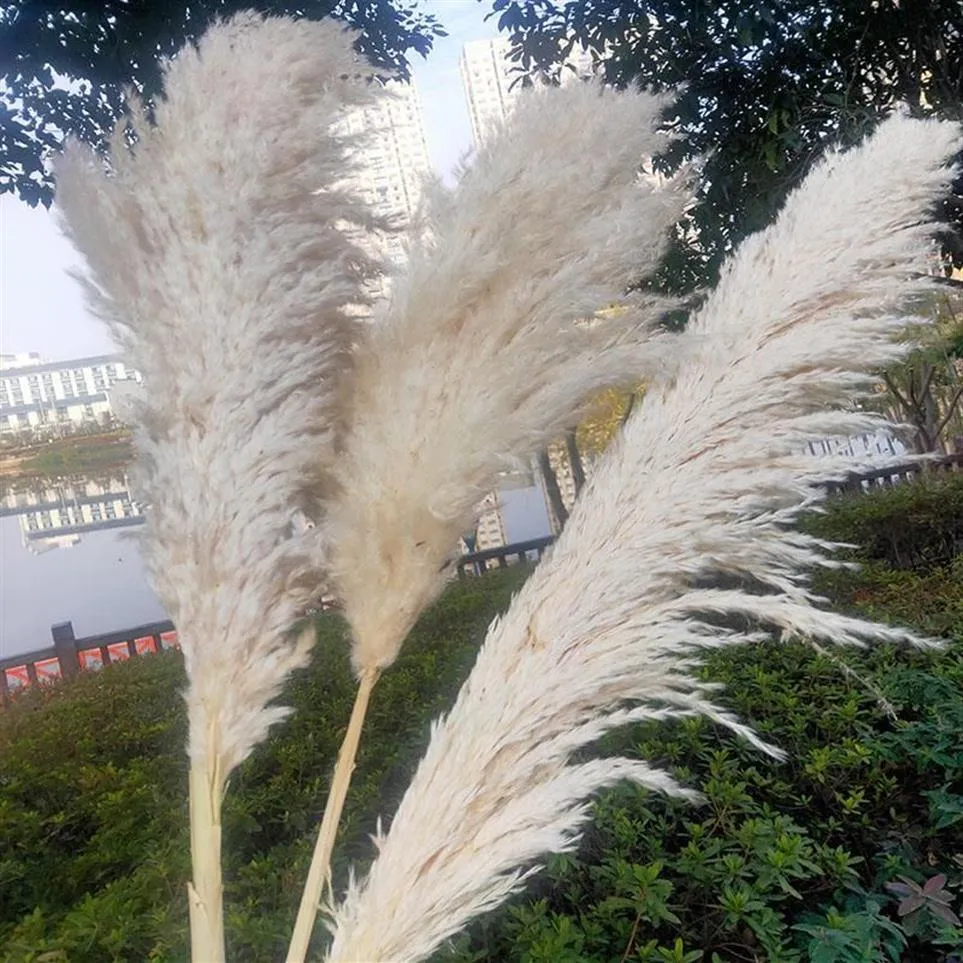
(64,64)
(768,85)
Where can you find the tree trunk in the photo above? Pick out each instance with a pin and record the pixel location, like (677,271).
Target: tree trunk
(552,490)
(575,460)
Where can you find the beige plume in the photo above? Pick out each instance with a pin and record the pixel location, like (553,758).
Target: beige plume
(704,484)
(490,347)
(213,236)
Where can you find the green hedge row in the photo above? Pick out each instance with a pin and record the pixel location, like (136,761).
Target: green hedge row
(910,526)
(822,858)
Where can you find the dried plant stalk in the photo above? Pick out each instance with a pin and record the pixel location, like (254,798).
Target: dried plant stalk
(215,238)
(319,870)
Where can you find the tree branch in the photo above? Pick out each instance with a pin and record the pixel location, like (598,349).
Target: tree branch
(891,385)
(950,409)
(928,381)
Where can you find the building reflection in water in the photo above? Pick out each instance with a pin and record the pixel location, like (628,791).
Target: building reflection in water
(56,514)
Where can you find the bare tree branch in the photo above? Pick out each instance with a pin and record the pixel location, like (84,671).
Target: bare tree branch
(891,385)
(951,408)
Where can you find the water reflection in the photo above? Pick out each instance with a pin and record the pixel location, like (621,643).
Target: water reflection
(56,514)
(69,552)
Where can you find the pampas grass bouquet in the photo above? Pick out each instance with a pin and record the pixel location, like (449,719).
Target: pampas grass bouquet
(225,244)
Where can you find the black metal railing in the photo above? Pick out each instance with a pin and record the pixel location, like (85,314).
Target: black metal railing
(477,563)
(897,474)
(69,655)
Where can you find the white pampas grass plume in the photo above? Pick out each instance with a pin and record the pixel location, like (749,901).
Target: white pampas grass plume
(704,482)
(213,235)
(490,347)
(484,353)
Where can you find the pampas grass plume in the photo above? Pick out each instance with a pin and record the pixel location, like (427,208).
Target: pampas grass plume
(704,483)
(490,347)
(486,352)
(216,250)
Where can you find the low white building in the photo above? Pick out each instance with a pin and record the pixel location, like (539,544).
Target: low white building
(36,393)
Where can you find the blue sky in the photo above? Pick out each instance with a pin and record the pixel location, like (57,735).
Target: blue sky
(439,83)
(41,308)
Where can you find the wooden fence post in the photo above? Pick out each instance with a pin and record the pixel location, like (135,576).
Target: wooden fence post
(65,644)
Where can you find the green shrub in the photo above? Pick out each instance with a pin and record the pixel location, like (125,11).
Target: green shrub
(913,526)
(835,855)
(810,859)
(784,862)
(93,820)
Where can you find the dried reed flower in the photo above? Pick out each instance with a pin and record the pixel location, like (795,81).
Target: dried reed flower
(703,483)
(215,240)
(491,346)
(484,353)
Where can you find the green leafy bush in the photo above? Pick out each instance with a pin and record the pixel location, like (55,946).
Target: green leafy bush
(915,526)
(850,850)
(93,819)
(783,862)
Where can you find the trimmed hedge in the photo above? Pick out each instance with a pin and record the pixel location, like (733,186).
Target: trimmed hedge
(785,862)
(918,525)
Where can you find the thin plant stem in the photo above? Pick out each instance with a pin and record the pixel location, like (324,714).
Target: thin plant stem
(320,869)
(206,891)
(882,702)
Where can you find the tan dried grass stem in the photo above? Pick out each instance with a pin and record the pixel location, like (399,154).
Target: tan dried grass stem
(205,894)
(320,870)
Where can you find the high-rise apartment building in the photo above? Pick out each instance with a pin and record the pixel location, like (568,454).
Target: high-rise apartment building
(394,157)
(489,83)
(492,81)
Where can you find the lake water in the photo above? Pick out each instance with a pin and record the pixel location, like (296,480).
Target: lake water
(70,553)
